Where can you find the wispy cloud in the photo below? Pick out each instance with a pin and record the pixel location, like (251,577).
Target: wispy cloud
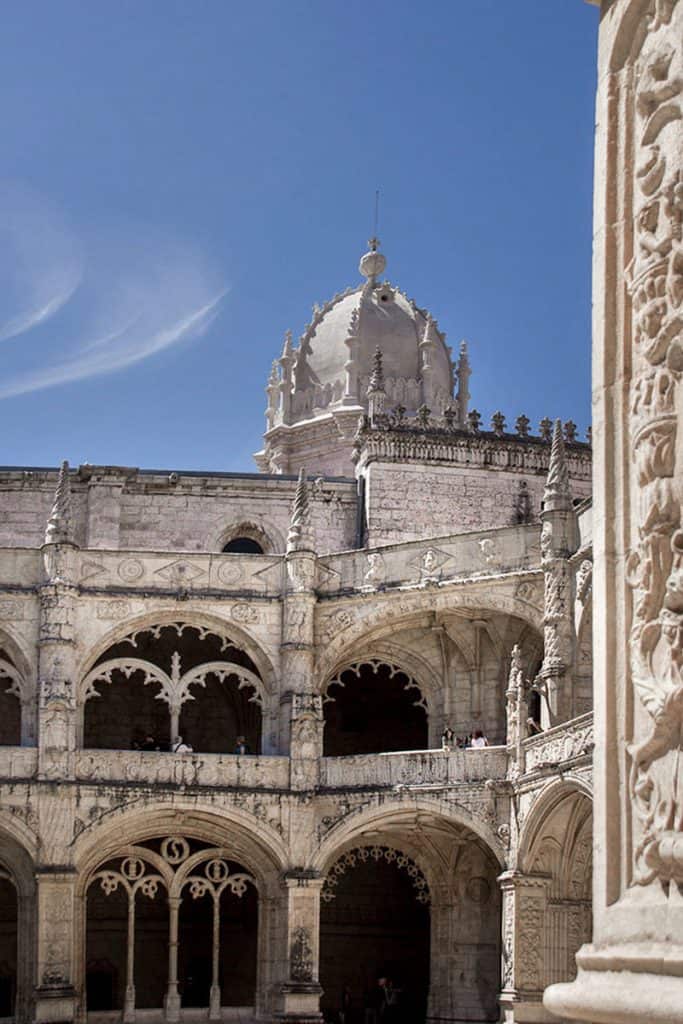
(118,350)
(135,295)
(41,260)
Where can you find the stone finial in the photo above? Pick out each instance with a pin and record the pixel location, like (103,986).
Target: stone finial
(299,536)
(287,350)
(376,394)
(589,435)
(373,263)
(463,373)
(522,425)
(498,424)
(570,431)
(516,677)
(557,496)
(273,393)
(474,421)
(450,415)
(422,415)
(58,529)
(545,429)
(376,382)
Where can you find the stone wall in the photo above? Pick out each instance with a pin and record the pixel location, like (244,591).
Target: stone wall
(119,508)
(411,500)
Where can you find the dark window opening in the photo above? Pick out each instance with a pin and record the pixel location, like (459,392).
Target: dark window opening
(374,709)
(243,546)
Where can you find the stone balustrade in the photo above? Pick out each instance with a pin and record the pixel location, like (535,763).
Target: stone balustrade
(407,768)
(563,743)
(468,555)
(135,766)
(414,768)
(18,762)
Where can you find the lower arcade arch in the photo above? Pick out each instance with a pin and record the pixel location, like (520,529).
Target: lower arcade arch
(415,902)
(171,923)
(373,707)
(9,952)
(558,845)
(17,928)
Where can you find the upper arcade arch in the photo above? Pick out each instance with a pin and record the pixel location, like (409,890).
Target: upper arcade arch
(348,627)
(373,706)
(173,679)
(227,630)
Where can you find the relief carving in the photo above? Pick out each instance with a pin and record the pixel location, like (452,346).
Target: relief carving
(655,565)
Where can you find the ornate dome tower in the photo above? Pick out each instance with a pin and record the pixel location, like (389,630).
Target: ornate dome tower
(317,391)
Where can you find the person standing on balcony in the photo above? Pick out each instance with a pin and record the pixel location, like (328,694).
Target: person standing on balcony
(479,740)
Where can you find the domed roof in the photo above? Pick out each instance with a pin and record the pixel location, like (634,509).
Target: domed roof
(333,362)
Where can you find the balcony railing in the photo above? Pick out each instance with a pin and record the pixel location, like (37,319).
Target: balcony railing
(563,743)
(414,768)
(132,766)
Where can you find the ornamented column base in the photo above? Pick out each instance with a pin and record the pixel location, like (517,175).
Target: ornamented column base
(628,984)
(172,1006)
(55,1003)
(301,1003)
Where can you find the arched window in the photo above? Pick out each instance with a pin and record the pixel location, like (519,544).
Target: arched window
(243,546)
(372,708)
(171,886)
(10,702)
(172,681)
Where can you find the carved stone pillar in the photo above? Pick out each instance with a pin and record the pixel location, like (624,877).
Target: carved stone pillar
(302,991)
(301,706)
(55,995)
(633,970)
(57,676)
(525,899)
(516,714)
(559,540)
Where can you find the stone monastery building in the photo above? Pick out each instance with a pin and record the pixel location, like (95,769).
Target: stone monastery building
(398,575)
(423,573)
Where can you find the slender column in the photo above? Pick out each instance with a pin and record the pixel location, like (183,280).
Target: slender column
(479,631)
(129,1003)
(215,996)
(463,394)
(175,721)
(351,396)
(633,969)
(559,540)
(172,1000)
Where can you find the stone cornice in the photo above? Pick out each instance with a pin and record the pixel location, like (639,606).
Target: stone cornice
(398,443)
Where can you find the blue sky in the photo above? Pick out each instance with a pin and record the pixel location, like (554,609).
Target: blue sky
(180,182)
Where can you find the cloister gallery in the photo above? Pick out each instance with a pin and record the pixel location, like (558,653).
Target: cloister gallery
(232,705)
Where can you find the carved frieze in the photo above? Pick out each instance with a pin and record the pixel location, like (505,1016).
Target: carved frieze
(655,564)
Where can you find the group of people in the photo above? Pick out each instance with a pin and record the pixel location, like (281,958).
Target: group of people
(179,746)
(474,740)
